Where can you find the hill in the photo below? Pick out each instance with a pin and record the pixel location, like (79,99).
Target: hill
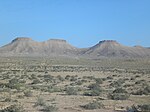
(24,46)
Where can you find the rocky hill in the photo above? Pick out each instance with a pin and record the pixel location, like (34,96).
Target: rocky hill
(56,47)
(28,47)
(111,48)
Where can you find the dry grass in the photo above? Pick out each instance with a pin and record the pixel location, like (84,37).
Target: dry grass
(51,77)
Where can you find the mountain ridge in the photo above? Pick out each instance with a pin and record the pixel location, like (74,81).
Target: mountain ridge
(25,46)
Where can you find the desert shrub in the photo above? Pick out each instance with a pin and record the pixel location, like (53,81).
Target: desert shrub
(35,81)
(33,76)
(73,78)
(48,78)
(147,88)
(89,77)
(94,86)
(36,87)
(67,77)
(137,76)
(60,78)
(73,84)
(93,105)
(139,82)
(28,93)
(16,86)
(79,82)
(109,78)
(132,78)
(40,102)
(49,108)
(20,96)
(95,90)
(13,81)
(132,109)
(117,83)
(8,99)
(2,85)
(99,80)
(139,108)
(143,91)
(53,89)
(84,80)
(119,90)
(92,93)
(13,108)
(127,85)
(71,91)
(119,94)
(144,107)
(22,81)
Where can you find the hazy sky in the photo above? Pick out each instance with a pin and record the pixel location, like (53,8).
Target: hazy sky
(82,23)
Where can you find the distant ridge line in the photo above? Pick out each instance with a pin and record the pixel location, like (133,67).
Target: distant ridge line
(25,46)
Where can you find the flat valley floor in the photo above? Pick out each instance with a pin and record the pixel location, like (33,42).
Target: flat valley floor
(73,85)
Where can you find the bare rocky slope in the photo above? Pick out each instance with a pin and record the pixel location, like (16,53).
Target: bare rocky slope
(56,47)
(28,47)
(111,48)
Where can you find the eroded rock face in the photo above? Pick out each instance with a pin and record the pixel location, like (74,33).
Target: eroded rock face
(22,39)
(27,46)
(111,48)
(24,46)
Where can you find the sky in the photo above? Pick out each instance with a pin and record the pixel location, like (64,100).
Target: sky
(83,23)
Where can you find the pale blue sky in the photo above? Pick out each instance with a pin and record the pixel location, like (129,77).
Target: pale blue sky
(82,23)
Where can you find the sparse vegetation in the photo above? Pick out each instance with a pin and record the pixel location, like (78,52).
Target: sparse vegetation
(93,105)
(71,91)
(36,82)
(40,102)
(13,108)
(119,94)
(49,108)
